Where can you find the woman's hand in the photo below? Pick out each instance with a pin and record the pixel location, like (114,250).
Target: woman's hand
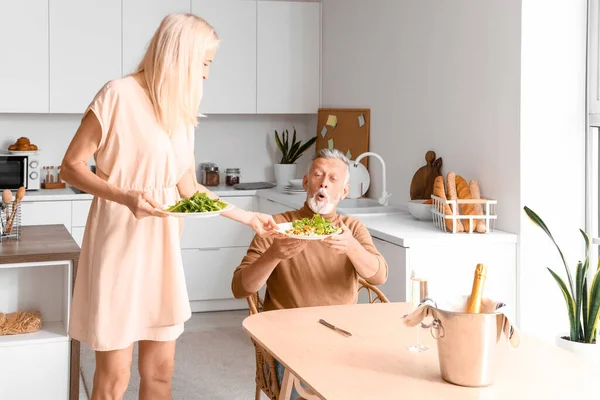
(264,225)
(142,205)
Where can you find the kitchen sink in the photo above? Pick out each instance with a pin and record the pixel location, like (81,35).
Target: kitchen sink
(366,206)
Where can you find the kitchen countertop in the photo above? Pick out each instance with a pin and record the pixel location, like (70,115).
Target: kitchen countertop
(39,243)
(71,193)
(399,228)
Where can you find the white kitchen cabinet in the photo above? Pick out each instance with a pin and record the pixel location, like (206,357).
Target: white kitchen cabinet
(450,268)
(271,207)
(288,57)
(217,232)
(396,257)
(85,51)
(594,60)
(24,48)
(231,85)
(208,273)
(141,18)
(46,213)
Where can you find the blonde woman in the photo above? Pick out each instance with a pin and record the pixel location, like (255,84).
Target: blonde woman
(130,285)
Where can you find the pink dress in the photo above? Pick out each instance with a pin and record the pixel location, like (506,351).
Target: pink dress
(130,283)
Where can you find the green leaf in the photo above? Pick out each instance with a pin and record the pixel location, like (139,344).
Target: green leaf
(538,221)
(594,308)
(580,280)
(304,147)
(294,138)
(293,151)
(281,147)
(586,316)
(569,301)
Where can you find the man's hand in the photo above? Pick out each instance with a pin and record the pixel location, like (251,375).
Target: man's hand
(284,249)
(343,242)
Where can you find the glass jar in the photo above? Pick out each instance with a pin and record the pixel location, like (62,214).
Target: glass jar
(203,168)
(232,176)
(212,176)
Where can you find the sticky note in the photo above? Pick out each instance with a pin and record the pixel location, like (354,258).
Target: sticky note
(331,121)
(361,120)
(349,155)
(330,144)
(324,131)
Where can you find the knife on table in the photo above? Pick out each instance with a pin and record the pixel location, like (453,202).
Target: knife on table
(335,328)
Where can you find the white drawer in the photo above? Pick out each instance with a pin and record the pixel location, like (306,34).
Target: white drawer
(208,273)
(81,209)
(218,231)
(271,207)
(35,371)
(47,213)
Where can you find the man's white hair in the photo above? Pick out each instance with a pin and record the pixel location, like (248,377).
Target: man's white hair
(333,154)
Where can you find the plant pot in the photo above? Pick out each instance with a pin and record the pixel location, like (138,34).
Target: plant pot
(285,172)
(589,351)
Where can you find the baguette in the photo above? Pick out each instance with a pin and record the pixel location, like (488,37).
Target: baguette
(451,188)
(438,190)
(475,193)
(464,193)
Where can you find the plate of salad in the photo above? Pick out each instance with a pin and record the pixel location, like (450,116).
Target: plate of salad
(315,228)
(197,206)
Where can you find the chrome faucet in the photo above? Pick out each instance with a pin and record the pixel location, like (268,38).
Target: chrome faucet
(383,200)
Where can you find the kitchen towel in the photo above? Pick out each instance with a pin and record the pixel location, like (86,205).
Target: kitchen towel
(458,304)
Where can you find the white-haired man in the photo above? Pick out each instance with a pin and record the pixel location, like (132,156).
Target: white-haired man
(301,273)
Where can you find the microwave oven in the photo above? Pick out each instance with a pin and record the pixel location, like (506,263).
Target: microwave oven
(20,170)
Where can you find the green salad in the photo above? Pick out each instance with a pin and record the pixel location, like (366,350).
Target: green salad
(315,226)
(199,202)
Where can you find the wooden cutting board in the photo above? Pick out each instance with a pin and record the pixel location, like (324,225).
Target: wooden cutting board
(421,186)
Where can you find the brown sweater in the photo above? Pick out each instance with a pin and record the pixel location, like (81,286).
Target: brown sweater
(315,277)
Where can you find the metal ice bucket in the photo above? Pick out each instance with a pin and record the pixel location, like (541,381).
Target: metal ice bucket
(467,346)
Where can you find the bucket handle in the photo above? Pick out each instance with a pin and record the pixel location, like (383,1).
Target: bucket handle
(437,329)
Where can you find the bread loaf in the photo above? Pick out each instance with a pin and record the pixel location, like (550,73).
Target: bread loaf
(438,190)
(451,188)
(464,193)
(475,194)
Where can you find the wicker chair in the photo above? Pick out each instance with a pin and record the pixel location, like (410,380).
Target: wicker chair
(266,377)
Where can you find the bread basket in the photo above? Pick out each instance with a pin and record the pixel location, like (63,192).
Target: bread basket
(449,222)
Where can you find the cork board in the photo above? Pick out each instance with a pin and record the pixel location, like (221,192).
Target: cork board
(345,129)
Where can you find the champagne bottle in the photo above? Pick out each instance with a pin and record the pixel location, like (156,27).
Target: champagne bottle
(474,302)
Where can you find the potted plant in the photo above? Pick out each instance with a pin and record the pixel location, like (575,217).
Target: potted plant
(582,299)
(286,168)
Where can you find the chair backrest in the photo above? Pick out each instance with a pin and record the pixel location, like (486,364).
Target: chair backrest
(255,303)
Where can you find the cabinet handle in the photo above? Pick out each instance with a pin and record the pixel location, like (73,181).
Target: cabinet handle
(210,249)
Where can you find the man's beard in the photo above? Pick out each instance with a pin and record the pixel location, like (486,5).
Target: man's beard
(321,203)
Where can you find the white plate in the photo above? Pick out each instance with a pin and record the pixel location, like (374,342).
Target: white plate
(288,225)
(23,153)
(358,175)
(197,214)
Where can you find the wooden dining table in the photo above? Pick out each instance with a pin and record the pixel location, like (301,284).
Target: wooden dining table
(375,362)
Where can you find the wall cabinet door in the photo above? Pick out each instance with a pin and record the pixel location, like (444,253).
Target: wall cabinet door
(85,51)
(231,85)
(24,65)
(141,18)
(288,57)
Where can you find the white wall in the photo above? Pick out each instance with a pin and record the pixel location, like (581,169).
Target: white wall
(240,141)
(484,84)
(437,75)
(552,178)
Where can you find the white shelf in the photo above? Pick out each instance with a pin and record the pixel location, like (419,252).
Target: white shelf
(51,332)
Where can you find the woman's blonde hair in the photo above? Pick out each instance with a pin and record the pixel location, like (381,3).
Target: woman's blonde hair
(172,68)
